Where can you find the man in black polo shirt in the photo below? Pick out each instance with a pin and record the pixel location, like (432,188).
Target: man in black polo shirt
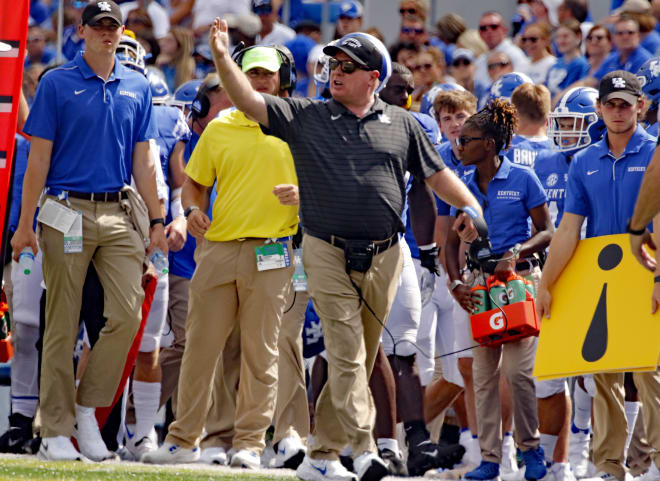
(351,155)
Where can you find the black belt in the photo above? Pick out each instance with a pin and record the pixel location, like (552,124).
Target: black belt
(340,242)
(527,264)
(99,196)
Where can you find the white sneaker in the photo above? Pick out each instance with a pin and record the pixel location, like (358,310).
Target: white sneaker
(370,467)
(323,470)
(653,474)
(290,453)
(88,435)
(518,475)
(214,455)
(58,448)
(472,456)
(244,458)
(578,451)
(509,462)
(141,447)
(561,472)
(170,453)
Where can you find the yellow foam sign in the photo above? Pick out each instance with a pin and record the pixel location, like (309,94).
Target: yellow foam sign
(600,317)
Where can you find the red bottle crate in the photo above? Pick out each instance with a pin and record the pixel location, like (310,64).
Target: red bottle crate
(492,328)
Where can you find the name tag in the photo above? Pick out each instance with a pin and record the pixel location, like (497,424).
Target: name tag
(73,239)
(272,256)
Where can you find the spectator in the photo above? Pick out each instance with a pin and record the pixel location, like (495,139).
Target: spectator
(428,69)
(413,30)
(71,42)
(404,53)
(139,22)
(494,33)
(471,40)
(37,49)
(462,68)
(577,10)
(272,31)
(308,34)
(204,11)
(598,47)
(244,28)
(417,9)
(535,40)
(499,64)
(544,11)
(175,59)
(375,32)
(572,66)
(647,23)
(350,18)
(31,76)
(158,15)
(181,12)
(449,28)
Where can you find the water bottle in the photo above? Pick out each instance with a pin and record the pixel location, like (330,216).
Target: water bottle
(299,276)
(160,262)
(427,286)
(26,260)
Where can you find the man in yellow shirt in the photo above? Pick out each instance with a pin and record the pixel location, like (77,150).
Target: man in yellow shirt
(244,268)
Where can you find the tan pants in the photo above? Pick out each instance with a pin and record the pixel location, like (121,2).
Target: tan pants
(345,411)
(227,291)
(610,426)
(111,242)
(170,357)
(516,361)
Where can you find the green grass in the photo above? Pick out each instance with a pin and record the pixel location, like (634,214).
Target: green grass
(25,468)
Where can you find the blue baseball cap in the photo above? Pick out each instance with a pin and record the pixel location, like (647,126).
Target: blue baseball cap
(350,9)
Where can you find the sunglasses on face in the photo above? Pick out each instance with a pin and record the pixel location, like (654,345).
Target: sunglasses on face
(422,66)
(400,90)
(413,31)
(492,26)
(624,32)
(597,38)
(529,39)
(495,65)
(347,66)
(461,62)
(409,11)
(464,140)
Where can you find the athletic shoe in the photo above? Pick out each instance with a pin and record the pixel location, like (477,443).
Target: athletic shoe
(394,462)
(370,467)
(14,440)
(578,451)
(653,474)
(88,435)
(290,453)
(170,453)
(427,455)
(244,458)
(534,464)
(141,447)
(472,454)
(214,455)
(486,471)
(560,472)
(58,448)
(323,470)
(509,460)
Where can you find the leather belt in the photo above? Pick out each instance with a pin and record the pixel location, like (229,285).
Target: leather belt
(340,242)
(99,196)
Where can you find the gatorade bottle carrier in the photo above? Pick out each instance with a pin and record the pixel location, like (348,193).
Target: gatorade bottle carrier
(494,327)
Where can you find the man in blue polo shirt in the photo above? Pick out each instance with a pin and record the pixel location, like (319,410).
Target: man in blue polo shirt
(629,54)
(603,182)
(90,125)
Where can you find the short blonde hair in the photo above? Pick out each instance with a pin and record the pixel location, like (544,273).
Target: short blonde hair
(532,101)
(422,7)
(454,101)
(471,40)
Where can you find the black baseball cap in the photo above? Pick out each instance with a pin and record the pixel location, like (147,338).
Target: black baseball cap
(100,9)
(359,49)
(620,84)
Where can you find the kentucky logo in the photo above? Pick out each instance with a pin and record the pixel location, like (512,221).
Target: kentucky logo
(105,6)
(618,83)
(353,42)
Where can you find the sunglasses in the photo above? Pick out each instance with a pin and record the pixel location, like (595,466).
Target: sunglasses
(423,66)
(400,89)
(495,65)
(597,38)
(491,26)
(409,11)
(529,39)
(414,31)
(461,62)
(463,140)
(347,66)
(624,32)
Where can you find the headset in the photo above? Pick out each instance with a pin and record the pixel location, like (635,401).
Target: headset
(287,68)
(202,104)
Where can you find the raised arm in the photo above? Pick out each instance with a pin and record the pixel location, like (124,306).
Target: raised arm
(241,93)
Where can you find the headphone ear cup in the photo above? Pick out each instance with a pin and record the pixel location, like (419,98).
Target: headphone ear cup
(200,106)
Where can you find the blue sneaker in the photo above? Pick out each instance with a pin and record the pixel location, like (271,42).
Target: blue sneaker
(534,464)
(486,471)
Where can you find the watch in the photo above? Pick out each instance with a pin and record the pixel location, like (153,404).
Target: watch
(656,279)
(455,283)
(515,250)
(188,210)
(157,220)
(629,230)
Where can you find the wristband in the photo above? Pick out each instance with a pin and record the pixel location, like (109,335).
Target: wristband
(454,284)
(188,210)
(656,279)
(629,230)
(157,220)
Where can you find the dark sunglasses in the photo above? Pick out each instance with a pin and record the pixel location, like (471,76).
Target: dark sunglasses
(409,30)
(624,32)
(492,66)
(461,62)
(422,66)
(463,140)
(347,66)
(492,26)
(409,11)
(529,39)
(400,89)
(597,38)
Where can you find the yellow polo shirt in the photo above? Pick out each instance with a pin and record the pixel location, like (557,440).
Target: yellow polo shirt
(247,164)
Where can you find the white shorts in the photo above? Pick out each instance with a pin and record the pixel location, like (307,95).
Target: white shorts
(26,293)
(403,320)
(157,315)
(550,387)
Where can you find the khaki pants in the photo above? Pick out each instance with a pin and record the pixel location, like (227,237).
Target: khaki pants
(610,426)
(345,411)
(111,242)
(170,357)
(516,361)
(227,291)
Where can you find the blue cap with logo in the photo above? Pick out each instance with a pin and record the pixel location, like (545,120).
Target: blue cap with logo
(350,9)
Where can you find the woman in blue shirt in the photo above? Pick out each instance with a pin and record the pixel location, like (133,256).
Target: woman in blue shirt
(510,195)
(572,66)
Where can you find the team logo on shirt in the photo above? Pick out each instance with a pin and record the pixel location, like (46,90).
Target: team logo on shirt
(105,6)
(654,67)
(128,94)
(552,180)
(637,169)
(496,89)
(508,194)
(384,119)
(618,83)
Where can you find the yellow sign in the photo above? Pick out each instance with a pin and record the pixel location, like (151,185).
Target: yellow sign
(600,314)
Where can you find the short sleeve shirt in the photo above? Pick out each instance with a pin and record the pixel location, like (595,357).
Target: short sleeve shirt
(632,64)
(351,171)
